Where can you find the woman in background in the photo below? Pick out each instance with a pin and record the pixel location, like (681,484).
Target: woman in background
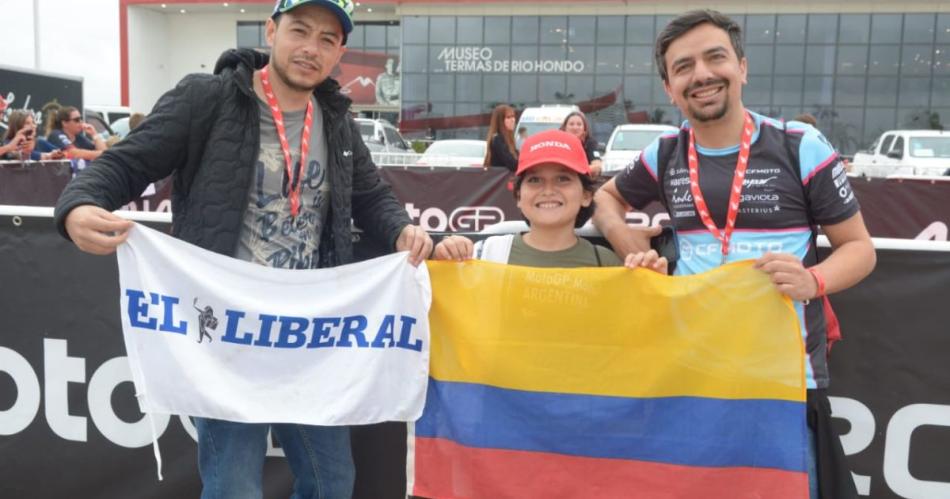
(19,143)
(577,125)
(501,138)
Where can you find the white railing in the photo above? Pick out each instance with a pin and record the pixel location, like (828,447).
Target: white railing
(395,158)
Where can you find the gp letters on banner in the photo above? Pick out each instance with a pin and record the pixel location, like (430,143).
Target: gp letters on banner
(212,336)
(599,382)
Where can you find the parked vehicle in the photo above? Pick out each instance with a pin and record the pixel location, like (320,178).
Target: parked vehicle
(539,119)
(626,142)
(382,136)
(905,152)
(454,153)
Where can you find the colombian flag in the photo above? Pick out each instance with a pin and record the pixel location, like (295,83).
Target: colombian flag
(610,383)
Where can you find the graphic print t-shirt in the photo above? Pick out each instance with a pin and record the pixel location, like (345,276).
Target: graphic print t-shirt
(270,235)
(777,198)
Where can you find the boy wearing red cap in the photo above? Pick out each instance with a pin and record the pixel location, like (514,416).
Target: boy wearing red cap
(554,192)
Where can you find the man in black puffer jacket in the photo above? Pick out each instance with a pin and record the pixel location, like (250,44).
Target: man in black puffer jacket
(234,142)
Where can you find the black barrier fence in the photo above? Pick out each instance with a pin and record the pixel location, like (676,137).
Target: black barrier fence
(70,426)
(472,199)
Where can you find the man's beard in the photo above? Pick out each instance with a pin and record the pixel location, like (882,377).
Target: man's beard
(280,71)
(706,114)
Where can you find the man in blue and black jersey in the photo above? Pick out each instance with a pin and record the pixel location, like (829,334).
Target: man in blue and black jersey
(740,186)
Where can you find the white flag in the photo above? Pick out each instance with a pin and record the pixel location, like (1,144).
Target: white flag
(212,336)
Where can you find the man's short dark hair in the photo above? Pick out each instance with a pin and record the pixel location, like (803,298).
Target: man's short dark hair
(684,23)
(583,215)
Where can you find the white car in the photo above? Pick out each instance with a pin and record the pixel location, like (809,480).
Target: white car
(627,141)
(905,152)
(454,153)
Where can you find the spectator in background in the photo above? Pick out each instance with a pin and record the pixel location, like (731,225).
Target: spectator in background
(519,140)
(501,138)
(77,138)
(19,143)
(49,111)
(807,118)
(577,125)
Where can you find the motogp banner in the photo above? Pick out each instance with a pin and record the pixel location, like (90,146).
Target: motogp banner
(677,396)
(211,336)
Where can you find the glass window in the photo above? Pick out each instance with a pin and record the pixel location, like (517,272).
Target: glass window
(787,91)
(441,88)
(415,87)
(882,91)
(609,60)
(884,60)
(758,91)
(497,29)
(637,91)
(639,59)
(393,36)
(415,58)
(660,22)
(441,29)
(468,87)
(580,88)
(553,53)
(356,37)
(524,89)
(916,60)
(818,91)
(876,122)
(640,29)
(416,29)
(854,28)
(822,28)
(375,35)
(551,87)
(919,28)
(914,92)
(470,31)
(940,94)
(582,29)
(791,28)
(886,28)
(942,60)
(849,91)
(441,109)
(659,93)
(759,29)
(852,59)
(583,53)
(524,53)
(943,28)
(608,84)
(248,35)
(495,88)
(820,59)
(792,59)
(666,115)
(760,59)
(524,29)
(554,29)
(846,134)
(609,30)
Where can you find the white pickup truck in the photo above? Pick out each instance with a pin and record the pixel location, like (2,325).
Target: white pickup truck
(905,152)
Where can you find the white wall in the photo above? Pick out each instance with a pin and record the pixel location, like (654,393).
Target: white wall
(148,58)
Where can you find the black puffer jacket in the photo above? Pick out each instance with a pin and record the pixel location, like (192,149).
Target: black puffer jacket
(207,132)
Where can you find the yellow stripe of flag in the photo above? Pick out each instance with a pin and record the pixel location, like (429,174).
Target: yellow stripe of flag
(723,334)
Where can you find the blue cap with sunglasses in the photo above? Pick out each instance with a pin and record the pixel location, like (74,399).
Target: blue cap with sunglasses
(343,9)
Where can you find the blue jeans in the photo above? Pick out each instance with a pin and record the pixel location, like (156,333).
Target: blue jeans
(231,459)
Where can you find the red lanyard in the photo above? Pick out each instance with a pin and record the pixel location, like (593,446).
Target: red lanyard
(294,186)
(734,196)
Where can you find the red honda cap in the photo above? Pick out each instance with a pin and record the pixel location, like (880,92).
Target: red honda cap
(553,146)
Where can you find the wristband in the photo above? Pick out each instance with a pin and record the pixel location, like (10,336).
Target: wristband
(819,279)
